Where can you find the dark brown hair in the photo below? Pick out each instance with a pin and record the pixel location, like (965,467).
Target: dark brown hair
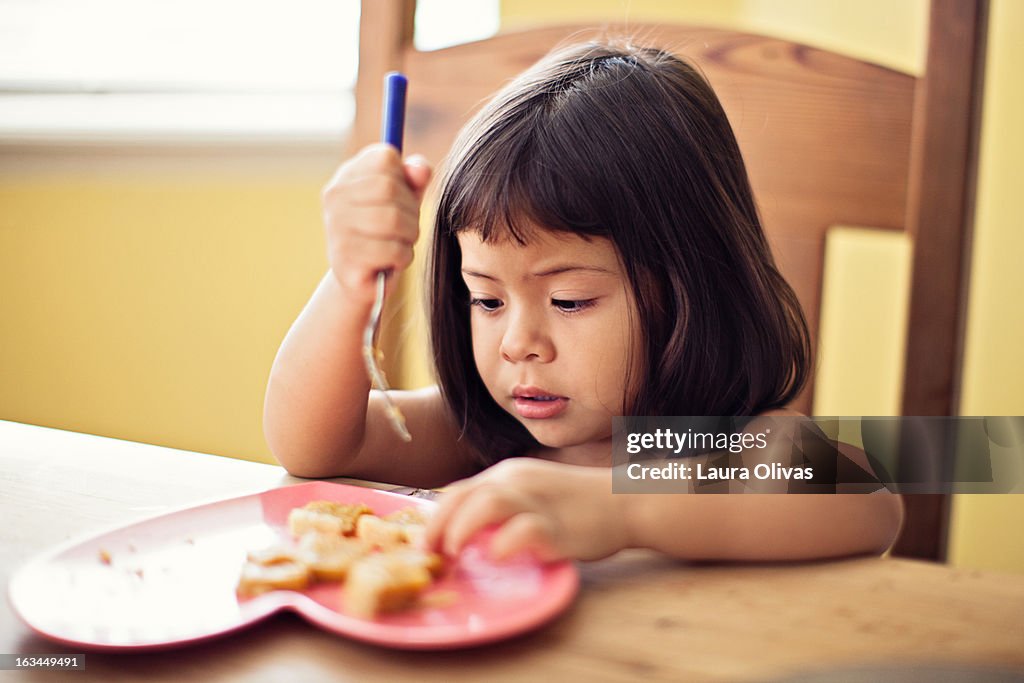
(629,144)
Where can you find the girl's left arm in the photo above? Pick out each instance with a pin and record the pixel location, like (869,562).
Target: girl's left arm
(566,511)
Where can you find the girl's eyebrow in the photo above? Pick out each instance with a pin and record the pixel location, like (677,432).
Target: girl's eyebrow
(556,270)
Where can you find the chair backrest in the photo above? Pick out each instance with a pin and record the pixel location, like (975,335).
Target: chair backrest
(828,140)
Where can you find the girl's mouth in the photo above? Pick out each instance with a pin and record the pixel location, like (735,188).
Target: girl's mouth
(536,404)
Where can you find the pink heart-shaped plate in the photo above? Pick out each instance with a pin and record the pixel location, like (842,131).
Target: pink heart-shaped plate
(170,580)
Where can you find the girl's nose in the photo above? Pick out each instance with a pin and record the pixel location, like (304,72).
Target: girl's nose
(525,340)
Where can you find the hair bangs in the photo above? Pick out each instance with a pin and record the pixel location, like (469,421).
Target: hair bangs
(497,203)
(536,163)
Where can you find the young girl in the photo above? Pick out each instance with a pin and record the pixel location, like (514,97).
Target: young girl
(596,252)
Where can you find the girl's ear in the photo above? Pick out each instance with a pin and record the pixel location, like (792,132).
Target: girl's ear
(417,173)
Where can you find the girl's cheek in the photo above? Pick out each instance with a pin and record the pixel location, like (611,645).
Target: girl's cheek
(486,336)
(486,355)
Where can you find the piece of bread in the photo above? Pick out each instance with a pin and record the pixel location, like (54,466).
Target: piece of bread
(273,554)
(383,582)
(414,534)
(432,562)
(326,517)
(386,532)
(380,532)
(410,515)
(329,556)
(259,578)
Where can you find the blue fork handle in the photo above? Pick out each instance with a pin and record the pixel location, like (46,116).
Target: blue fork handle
(395,85)
(393,118)
(391,132)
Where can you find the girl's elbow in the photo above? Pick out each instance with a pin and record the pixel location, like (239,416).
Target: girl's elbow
(302,471)
(292,459)
(295,464)
(272,435)
(303,457)
(292,463)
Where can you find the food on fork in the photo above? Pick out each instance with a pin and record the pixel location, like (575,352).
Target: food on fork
(334,542)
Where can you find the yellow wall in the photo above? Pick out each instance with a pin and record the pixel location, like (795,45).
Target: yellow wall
(144,297)
(987,529)
(889,33)
(865,297)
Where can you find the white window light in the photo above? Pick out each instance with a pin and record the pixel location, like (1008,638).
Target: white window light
(195,70)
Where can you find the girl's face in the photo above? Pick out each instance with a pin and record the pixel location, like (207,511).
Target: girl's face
(551,331)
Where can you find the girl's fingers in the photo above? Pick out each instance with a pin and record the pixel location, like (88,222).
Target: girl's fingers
(384,190)
(379,160)
(483,507)
(450,502)
(378,157)
(358,261)
(417,174)
(376,216)
(379,222)
(525,532)
(371,160)
(374,254)
(371,217)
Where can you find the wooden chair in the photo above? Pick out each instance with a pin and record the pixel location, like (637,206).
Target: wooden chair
(828,140)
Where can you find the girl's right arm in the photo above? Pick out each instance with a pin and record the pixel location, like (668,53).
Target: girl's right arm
(320,417)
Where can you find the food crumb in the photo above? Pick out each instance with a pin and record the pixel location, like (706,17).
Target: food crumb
(104,556)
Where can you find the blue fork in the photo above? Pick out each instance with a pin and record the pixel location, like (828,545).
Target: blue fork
(393,123)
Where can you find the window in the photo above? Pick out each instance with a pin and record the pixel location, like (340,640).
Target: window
(219,70)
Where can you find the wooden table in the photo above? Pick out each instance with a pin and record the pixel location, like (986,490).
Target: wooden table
(639,615)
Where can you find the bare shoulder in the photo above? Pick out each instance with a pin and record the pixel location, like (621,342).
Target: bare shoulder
(767,420)
(851,452)
(436,455)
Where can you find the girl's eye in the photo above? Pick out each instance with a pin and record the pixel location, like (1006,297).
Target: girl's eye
(487,305)
(572,306)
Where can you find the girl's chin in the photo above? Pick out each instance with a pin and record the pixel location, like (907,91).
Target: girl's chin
(548,437)
(559,436)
